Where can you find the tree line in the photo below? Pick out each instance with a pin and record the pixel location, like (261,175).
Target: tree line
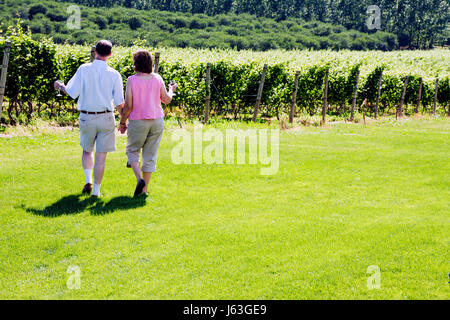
(419,24)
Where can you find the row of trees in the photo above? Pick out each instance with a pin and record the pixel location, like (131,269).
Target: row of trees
(419,23)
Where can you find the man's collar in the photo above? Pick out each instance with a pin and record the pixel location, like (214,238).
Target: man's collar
(99,62)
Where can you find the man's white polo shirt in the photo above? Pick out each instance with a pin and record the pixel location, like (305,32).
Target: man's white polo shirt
(97,86)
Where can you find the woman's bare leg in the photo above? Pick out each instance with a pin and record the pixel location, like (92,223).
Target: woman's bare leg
(147,177)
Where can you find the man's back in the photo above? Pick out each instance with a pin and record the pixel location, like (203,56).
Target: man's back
(97,86)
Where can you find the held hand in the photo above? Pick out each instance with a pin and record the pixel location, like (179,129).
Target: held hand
(122,128)
(57,85)
(173,87)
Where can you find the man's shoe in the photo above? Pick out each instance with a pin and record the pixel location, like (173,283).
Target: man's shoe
(139,188)
(88,188)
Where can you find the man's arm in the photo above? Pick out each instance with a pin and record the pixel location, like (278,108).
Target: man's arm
(120,109)
(73,88)
(118,93)
(126,109)
(119,101)
(60,86)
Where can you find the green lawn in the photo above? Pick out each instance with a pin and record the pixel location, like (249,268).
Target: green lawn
(346,197)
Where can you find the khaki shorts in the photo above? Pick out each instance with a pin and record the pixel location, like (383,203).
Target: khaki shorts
(144,135)
(98,128)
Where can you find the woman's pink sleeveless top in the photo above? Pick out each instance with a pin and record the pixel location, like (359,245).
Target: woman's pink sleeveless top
(146,97)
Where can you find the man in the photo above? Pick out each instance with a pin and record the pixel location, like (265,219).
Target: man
(99,89)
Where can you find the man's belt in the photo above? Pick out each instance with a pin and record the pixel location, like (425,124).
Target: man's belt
(101,112)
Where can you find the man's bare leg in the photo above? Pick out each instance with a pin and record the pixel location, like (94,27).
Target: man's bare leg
(88,163)
(147,177)
(87,160)
(99,171)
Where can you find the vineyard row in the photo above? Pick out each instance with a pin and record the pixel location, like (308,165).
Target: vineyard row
(222,88)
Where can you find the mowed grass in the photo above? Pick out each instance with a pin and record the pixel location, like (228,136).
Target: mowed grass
(346,197)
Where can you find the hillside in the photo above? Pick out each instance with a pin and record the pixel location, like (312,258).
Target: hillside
(419,24)
(177,29)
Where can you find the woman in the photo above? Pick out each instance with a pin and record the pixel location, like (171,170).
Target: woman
(144,93)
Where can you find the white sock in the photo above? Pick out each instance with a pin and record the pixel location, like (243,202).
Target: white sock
(88,175)
(96,191)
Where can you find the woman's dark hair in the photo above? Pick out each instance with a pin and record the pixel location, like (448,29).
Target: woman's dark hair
(143,61)
(103,48)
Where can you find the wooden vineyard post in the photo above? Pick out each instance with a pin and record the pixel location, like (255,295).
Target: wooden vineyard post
(157,56)
(419,96)
(363,108)
(294,98)
(402,101)
(260,91)
(436,90)
(4,74)
(92,54)
(208,92)
(325,98)
(380,80)
(355,95)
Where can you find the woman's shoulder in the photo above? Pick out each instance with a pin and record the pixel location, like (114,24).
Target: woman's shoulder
(150,76)
(157,76)
(131,78)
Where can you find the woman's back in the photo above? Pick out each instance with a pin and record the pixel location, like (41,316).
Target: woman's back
(146,93)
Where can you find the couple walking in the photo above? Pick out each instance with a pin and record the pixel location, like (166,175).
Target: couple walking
(99,88)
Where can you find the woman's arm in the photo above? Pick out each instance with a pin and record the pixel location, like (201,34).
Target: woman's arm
(166,97)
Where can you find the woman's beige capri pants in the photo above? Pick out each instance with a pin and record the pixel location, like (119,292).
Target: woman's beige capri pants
(144,135)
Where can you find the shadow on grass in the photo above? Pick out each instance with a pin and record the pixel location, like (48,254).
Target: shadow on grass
(75,204)
(116,204)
